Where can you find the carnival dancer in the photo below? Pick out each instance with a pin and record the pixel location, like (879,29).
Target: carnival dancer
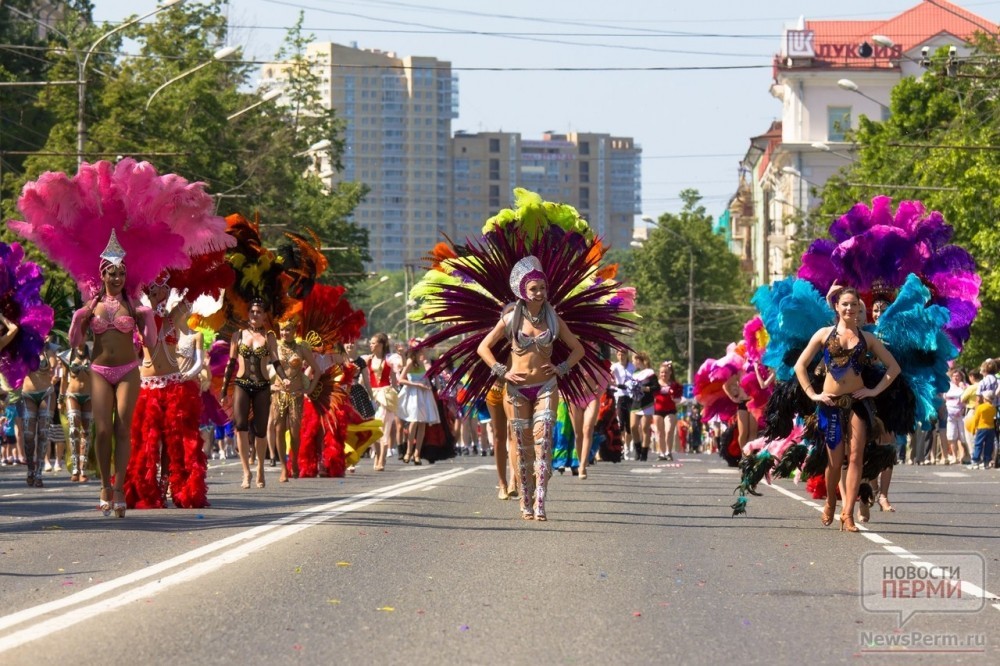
(79,415)
(846,416)
(113,320)
(251,349)
(287,398)
(161,222)
(37,394)
(167,452)
(531,329)
(467,289)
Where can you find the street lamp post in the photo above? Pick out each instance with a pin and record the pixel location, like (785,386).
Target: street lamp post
(221,54)
(81,123)
(819,145)
(368,317)
(851,86)
(266,97)
(690,290)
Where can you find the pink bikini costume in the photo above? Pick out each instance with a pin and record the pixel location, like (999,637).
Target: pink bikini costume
(113,374)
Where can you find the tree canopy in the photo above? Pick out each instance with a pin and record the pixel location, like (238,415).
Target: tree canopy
(660,270)
(940,145)
(255,164)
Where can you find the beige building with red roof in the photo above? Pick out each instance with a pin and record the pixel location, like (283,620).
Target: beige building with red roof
(826,75)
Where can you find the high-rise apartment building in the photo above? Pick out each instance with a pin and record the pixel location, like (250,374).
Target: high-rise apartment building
(598,174)
(398,113)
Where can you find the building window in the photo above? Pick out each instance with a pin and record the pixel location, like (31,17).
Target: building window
(838,123)
(494,145)
(584,147)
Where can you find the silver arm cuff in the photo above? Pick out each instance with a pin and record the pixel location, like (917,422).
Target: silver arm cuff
(562,369)
(499,370)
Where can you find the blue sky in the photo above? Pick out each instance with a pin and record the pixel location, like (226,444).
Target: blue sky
(583,65)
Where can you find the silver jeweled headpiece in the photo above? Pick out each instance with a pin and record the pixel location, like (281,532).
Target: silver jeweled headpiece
(525,270)
(114,253)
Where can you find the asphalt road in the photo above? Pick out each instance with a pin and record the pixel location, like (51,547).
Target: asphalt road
(639,564)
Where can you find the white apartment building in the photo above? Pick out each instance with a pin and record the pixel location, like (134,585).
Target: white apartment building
(826,75)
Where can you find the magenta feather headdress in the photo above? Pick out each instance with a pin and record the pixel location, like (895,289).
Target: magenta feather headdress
(874,249)
(160,221)
(21,303)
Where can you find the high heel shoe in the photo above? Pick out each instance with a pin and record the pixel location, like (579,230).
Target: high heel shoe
(864,512)
(883,504)
(105,504)
(118,507)
(828,512)
(406,460)
(847,523)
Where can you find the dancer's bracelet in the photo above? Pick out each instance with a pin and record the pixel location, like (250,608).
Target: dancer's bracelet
(499,369)
(562,369)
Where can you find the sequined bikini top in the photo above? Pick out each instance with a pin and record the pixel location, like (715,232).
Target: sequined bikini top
(246,350)
(840,359)
(521,342)
(124,323)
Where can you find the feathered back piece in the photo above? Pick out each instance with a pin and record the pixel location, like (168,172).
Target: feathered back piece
(709,380)
(259,274)
(21,303)
(873,250)
(160,221)
(755,339)
(916,335)
(303,262)
(792,311)
(327,319)
(467,288)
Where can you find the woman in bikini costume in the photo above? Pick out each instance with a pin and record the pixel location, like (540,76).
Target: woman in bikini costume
(251,349)
(531,327)
(36,399)
(113,320)
(746,423)
(846,415)
(76,391)
(383,382)
(167,453)
(288,398)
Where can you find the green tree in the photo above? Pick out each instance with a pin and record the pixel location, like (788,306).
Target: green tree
(661,270)
(941,137)
(253,164)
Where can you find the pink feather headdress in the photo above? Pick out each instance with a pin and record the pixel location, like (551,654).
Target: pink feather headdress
(161,222)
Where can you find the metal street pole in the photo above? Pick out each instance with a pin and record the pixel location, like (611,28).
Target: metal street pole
(691,316)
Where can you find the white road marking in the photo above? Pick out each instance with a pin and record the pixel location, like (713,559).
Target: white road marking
(902,553)
(240,546)
(723,470)
(952,475)
(645,470)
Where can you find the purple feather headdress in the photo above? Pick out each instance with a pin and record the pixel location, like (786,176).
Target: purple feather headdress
(470,303)
(874,249)
(21,303)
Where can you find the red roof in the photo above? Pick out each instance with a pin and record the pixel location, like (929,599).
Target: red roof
(835,42)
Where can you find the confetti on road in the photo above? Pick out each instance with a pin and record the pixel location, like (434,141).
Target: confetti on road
(343,564)
(333,601)
(387,609)
(298,570)
(636,614)
(464,627)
